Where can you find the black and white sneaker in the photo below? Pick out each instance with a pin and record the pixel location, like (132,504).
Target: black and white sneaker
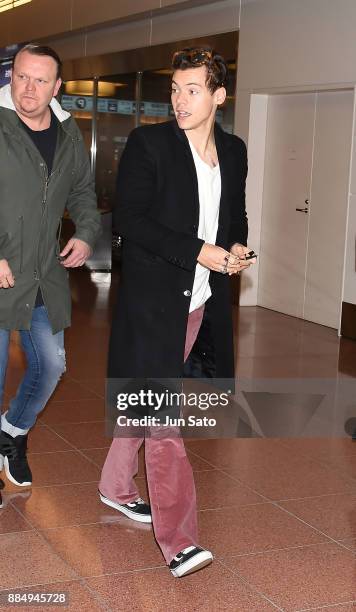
(16,465)
(190,560)
(137,510)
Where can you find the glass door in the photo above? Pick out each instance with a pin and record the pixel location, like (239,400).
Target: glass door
(155,104)
(116,117)
(77,97)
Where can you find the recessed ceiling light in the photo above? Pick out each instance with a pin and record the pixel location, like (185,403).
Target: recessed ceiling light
(6,5)
(85,88)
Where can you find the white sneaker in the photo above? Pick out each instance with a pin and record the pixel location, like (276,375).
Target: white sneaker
(190,560)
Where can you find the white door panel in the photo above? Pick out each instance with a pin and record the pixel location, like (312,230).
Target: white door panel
(329,194)
(289,146)
(308,143)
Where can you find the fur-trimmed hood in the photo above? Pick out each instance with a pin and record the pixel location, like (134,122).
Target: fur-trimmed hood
(7,102)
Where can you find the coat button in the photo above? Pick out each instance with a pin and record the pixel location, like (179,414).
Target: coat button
(194,228)
(187,293)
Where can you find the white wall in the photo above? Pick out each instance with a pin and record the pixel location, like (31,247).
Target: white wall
(254,193)
(294,45)
(350,247)
(297,42)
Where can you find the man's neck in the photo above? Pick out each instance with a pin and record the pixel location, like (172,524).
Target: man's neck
(38,123)
(202,137)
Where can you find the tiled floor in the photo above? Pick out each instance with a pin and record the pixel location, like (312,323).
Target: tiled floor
(278,513)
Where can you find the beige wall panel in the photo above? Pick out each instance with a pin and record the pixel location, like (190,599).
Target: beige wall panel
(125,36)
(171,3)
(88,13)
(353,165)
(242,114)
(349,294)
(165,3)
(211,19)
(48,18)
(69,47)
(290,43)
(6,30)
(35,20)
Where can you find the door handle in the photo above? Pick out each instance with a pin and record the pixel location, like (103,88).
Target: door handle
(304,210)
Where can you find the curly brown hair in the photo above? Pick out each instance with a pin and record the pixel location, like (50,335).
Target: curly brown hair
(194,57)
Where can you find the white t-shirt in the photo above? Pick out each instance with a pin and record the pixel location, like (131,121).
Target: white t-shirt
(209,185)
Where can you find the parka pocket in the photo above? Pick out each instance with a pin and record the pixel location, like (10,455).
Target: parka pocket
(58,237)
(13,249)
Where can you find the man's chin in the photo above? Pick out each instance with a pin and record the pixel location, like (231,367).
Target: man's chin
(28,110)
(186,125)
(28,104)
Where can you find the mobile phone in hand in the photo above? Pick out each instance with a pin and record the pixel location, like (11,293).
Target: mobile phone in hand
(251,255)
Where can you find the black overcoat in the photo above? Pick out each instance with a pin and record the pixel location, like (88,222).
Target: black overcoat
(157,215)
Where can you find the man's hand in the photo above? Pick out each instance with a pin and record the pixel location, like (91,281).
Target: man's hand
(6,278)
(216,258)
(76,252)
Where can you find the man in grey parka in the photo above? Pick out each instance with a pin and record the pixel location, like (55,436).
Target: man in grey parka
(44,168)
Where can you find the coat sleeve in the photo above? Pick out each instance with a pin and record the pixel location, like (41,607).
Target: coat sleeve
(239,227)
(2,250)
(82,204)
(132,216)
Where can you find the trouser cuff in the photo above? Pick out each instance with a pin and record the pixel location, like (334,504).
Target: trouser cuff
(12,430)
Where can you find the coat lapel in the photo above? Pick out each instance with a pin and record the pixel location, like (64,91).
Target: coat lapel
(189,162)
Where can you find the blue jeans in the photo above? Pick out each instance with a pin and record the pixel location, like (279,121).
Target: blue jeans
(45,364)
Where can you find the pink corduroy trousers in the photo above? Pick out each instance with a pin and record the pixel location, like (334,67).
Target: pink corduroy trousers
(169,476)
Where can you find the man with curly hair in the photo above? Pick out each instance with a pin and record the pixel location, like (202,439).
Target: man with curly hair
(181,214)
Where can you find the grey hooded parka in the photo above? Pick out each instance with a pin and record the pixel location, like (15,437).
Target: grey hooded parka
(31,209)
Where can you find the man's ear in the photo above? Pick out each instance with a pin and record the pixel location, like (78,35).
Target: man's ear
(57,87)
(220,96)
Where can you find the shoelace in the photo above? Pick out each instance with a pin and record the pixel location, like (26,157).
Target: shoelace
(183,552)
(137,501)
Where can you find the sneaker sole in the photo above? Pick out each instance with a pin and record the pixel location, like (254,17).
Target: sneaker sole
(140,518)
(11,478)
(194,564)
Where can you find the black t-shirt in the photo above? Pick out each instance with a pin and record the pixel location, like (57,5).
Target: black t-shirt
(45,141)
